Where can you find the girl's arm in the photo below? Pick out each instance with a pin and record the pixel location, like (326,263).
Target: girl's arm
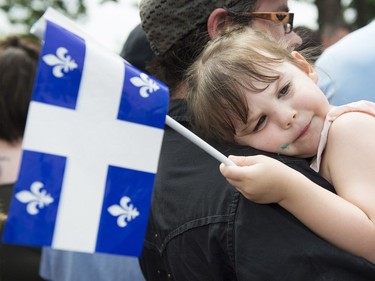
(346,220)
(349,162)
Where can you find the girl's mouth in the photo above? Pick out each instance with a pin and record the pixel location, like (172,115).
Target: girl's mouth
(303,132)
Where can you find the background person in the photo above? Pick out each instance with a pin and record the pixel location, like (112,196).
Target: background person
(136,49)
(18,63)
(346,69)
(334,33)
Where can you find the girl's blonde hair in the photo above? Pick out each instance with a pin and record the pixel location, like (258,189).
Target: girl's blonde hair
(228,67)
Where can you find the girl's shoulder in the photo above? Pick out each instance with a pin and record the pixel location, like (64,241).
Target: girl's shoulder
(350,142)
(359,106)
(350,116)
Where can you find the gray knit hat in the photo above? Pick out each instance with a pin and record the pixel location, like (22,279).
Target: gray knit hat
(167,21)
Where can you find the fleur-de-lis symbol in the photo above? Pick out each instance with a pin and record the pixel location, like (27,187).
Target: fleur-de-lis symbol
(35,199)
(147,86)
(125,211)
(61,62)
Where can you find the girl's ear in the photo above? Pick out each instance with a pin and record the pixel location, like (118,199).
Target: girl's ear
(216,22)
(306,66)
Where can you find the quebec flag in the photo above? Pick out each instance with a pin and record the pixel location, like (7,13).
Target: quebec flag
(90,151)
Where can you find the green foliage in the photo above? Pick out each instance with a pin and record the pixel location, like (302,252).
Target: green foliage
(26,12)
(365,11)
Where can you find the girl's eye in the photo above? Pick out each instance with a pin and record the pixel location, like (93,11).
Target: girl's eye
(261,121)
(284,91)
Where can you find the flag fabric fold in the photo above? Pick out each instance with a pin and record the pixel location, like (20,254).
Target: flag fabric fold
(90,150)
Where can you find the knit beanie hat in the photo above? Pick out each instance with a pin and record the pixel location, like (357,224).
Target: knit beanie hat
(165,22)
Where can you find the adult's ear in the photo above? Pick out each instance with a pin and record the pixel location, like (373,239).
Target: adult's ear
(216,22)
(305,66)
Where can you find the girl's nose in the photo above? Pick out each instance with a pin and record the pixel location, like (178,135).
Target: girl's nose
(287,118)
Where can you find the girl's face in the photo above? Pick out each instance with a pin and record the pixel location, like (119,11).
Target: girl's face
(288,116)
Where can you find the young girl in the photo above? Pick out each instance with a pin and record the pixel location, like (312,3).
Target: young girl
(250,90)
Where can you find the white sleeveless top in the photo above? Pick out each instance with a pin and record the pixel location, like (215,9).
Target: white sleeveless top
(360,106)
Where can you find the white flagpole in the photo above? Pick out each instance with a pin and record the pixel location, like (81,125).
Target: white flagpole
(198,141)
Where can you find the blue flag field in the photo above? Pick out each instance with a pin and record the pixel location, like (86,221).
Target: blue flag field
(90,150)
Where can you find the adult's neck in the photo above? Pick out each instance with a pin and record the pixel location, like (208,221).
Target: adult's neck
(10,159)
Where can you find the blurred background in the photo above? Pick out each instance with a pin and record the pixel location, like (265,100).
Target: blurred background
(110,21)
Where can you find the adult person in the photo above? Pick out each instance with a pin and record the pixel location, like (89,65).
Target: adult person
(136,49)
(346,69)
(200,227)
(18,63)
(264,106)
(58,265)
(332,33)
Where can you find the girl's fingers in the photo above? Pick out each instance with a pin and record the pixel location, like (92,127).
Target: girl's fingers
(244,160)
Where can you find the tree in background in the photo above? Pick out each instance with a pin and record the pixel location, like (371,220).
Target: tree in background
(27,12)
(331,12)
(365,11)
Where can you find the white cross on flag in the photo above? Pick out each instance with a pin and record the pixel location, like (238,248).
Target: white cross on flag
(90,150)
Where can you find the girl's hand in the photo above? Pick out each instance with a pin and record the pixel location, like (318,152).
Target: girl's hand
(259,178)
